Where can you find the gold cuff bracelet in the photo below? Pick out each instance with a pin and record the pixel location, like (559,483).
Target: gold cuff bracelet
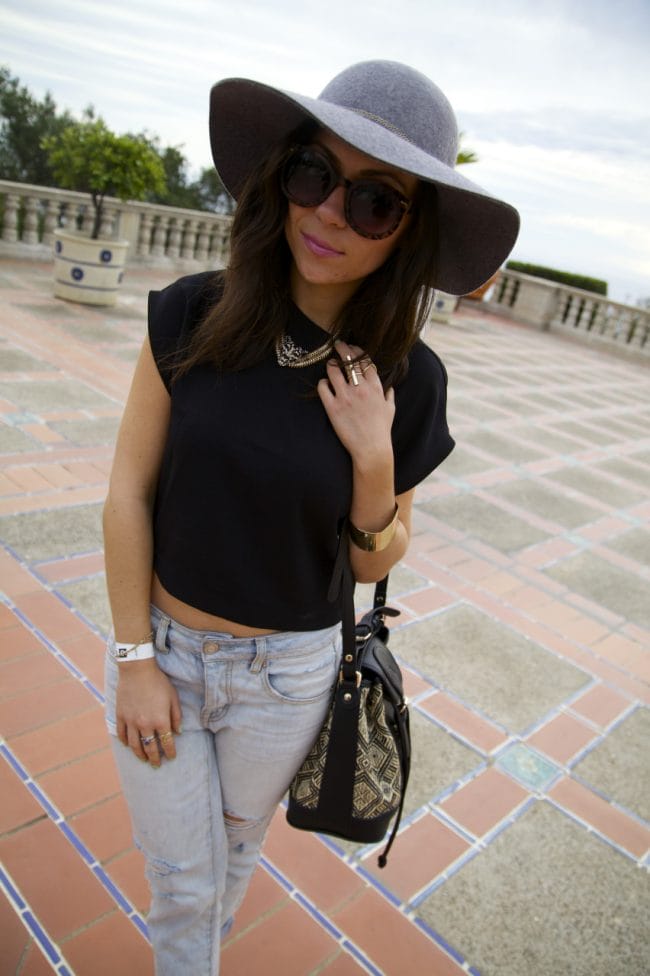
(375,541)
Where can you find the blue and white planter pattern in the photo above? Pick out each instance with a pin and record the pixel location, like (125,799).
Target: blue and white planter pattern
(87,271)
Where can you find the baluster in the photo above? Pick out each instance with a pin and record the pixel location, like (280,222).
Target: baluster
(107,224)
(174,244)
(144,234)
(49,221)
(10,224)
(202,242)
(159,237)
(30,226)
(591,313)
(87,219)
(189,239)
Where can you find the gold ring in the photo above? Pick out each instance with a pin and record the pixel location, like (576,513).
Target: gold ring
(166,736)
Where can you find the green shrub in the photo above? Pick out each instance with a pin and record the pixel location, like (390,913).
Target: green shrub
(562,277)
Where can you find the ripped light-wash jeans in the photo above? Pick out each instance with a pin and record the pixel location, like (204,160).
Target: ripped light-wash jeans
(251,709)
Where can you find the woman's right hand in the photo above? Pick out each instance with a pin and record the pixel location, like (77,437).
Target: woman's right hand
(147,708)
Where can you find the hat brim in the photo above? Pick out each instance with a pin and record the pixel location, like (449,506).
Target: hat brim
(476,231)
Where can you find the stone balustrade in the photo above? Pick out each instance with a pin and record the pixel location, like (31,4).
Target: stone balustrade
(156,234)
(573,311)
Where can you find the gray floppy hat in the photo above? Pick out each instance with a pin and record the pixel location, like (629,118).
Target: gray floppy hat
(394,114)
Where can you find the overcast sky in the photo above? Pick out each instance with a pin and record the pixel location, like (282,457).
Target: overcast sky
(554,96)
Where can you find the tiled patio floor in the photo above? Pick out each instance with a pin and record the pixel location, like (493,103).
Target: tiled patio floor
(524,637)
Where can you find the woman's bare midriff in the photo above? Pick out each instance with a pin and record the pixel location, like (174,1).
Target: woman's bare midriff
(189,616)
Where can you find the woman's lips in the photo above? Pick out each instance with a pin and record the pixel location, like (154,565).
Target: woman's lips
(320,248)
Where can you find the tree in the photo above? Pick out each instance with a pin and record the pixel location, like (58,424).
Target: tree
(24,123)
(212,194)
(87,156)
(465,155)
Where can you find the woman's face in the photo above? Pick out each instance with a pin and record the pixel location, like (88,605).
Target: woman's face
(326,251)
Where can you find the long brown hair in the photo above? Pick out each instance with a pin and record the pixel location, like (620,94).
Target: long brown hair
(384,316)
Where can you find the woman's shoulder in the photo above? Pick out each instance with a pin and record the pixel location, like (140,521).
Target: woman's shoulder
(425,365)
(199,290)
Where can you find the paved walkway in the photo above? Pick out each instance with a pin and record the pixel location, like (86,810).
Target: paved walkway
(524,637)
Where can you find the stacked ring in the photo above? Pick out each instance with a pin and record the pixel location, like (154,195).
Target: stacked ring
(166,736)
(146,740)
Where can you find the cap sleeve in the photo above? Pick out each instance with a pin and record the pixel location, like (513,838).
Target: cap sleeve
(421,438)
(173,313)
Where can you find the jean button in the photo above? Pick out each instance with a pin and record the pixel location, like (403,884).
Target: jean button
(210,647)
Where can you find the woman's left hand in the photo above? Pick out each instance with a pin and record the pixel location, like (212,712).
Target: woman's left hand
(360,413)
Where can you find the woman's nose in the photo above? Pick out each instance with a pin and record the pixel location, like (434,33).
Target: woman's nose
(332,209)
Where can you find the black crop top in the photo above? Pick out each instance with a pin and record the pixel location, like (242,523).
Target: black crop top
(254,482)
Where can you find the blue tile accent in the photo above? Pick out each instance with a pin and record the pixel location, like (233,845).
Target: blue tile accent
(280,878)
(141,925)
(438,939)
(64,971)
(11,891)
(527,766)
(44,802)
(41,937)
(371,879)
(321,919)
(95,691)
(101,875)
(70,666)
(74,840)
(13,762)
(359,956)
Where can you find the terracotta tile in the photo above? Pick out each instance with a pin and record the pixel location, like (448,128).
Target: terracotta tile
(86,652)
(317,871)
(58,476)
(27,479)
(414,685)
(18,641)
(622,652)
(33,671)
(601,705)
(73,568)
(105,829)
(127,871)
(18,805)
(421,852)
(37,855)
(501,583)
(584,630)
(556,614)
(7,617)
(82,783)
(16,581)
(620,828)
(388,938)
(51,616)
(112,945)
(33,709)
(343,965)
(85,472)
(290,937)
(449,555)
(264,895)
(482,803)
(61,742)
(426,601)
(464,721)
(527,597)
(43,433)
(562,738)
(474,570)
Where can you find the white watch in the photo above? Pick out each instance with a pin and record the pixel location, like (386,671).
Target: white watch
(133,652)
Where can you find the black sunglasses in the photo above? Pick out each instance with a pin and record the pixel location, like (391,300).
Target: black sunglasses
(372,209)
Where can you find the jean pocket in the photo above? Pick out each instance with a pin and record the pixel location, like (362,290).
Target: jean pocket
(302,679)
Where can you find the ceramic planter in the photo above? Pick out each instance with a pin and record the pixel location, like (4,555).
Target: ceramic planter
(85,270)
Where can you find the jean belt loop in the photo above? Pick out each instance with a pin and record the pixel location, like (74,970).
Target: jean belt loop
(160,639)
(260,655)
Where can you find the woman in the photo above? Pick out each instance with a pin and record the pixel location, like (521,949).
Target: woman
(269,403)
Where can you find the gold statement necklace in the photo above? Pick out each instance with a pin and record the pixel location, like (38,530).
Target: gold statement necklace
(288,353)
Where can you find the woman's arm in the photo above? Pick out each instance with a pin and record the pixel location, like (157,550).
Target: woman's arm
(146,700)
(362,417)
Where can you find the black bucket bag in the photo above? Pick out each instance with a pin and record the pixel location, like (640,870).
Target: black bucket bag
(354,779)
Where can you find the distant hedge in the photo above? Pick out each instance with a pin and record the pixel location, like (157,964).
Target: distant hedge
(563,277)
